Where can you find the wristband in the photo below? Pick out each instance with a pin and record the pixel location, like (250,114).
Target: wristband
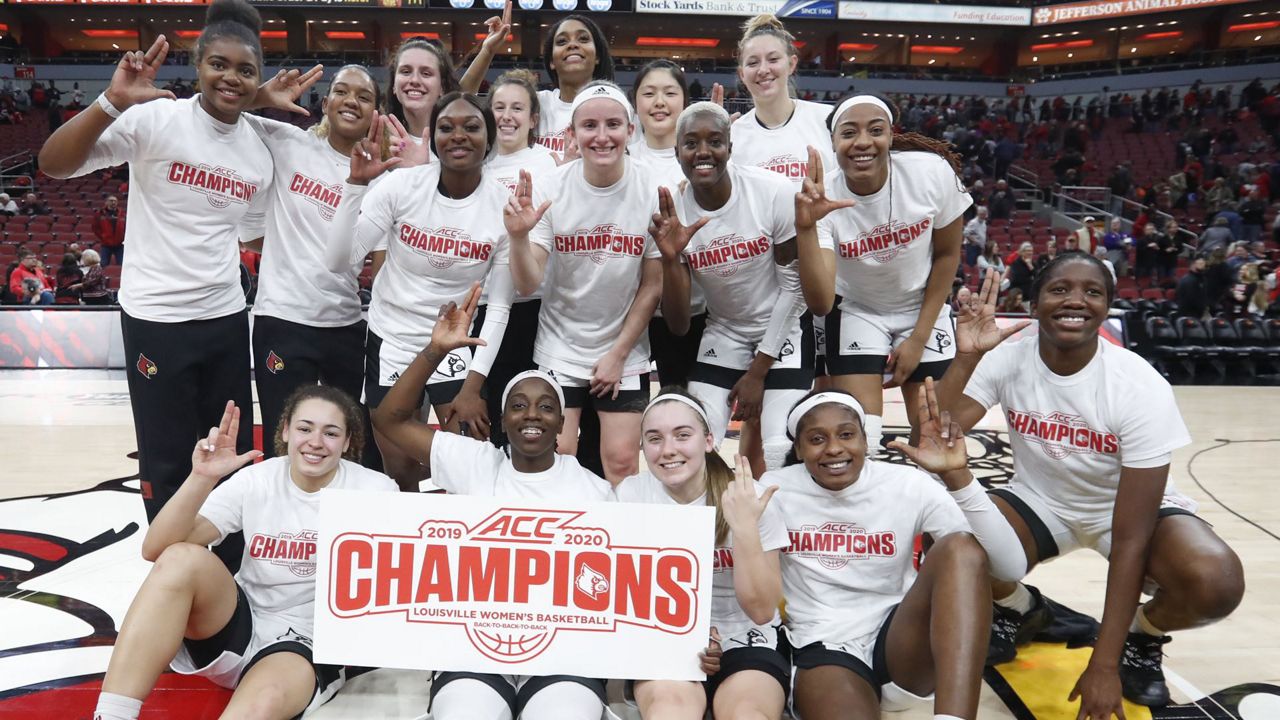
(107,107)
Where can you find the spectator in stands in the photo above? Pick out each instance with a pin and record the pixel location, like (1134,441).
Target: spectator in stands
(1218,276)
(93,289)
(1218,195)
(1252,215)
(108,227)
(7,205)
(1170,251)
(1007,150)
(68,280)
(1147,255)
(1101,253)
(1234,221)
(1193,293)
(27,283)
(31,205)
(1121,184)
(1116,245)
(1022,270)
(1050,252)
(1013,303)
(1088,236)
(1217,235)
(975,237)
(1000,205)
(1245,297)
(990,260)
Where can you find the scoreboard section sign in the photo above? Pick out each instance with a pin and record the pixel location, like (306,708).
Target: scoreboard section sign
(443,582)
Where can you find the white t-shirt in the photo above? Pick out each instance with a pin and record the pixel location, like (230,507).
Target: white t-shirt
(293,282)
(464,466)
(850,556)
(726,613)
(193,181)
(554,117)
(1071,435)
(884,243)
(279,520)
(731,258)
(598,240)
(662,165)
(437,247)
(785,149)
(506,168)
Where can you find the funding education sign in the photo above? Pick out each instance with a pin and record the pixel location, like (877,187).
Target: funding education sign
(440,582)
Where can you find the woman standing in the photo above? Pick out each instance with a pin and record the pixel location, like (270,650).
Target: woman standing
(186,332)
(445,232)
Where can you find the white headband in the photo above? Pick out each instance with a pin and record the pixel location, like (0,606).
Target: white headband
(793,420)
(545,377)
(680,399)
(607,92)
(860,100)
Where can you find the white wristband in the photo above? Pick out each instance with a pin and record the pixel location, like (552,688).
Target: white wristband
(107,107)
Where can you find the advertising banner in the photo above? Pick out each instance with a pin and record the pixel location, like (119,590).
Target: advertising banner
(1100,9)
(946,14)
(524,587)
(815,9)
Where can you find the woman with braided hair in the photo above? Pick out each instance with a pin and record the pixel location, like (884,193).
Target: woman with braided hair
(879,245)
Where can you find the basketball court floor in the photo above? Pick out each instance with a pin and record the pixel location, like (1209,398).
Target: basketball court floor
(71,526)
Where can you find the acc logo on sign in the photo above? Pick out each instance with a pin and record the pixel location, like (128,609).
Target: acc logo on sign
(514,580)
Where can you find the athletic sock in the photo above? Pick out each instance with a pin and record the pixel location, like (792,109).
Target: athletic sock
(116,707)
(940,716)
(1142,625)
(874,426)
(1020,599)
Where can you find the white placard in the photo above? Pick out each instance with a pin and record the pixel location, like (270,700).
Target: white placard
(528,587)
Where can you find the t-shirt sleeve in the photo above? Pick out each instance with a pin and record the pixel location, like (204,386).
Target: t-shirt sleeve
(457,461)
(783,222)
(773,531)
(1151,429)
(254,223)
(952,200)
(986,383)
(939,514)
(125,139)
(225,505)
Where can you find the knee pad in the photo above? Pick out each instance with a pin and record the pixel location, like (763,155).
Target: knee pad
(874,426)
(563,701)
(469,699)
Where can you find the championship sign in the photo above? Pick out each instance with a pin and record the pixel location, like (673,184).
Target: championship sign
(525,587)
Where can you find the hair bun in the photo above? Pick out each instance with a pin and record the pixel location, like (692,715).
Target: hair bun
(238,12)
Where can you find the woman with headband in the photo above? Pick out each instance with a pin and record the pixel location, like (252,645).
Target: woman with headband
(533,413)
(442,226)
(866,630)
(685,469)
(879,245)
(731,229)
(587,231)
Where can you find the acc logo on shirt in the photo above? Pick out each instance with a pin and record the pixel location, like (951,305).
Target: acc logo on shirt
(788,165)
(296,552)
(725,254)
(600,243)
(486,578)
(883,242)
(324,197)
(1060,434)
(222,186)
(444,246)
(834,544)
(555,142)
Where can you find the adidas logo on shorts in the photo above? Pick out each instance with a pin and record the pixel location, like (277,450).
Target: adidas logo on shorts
(853,346)
(710,353)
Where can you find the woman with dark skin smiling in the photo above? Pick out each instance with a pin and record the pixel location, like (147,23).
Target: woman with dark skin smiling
(867,631)
(186,329)
(532,416)
(445,221)
(1099,480)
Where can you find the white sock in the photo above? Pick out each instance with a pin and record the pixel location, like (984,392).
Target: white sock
(116,707)
(1142,625)
(1020,599)
(874,426)
(940,716)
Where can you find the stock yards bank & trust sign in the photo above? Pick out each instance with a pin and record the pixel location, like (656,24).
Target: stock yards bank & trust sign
(527,587)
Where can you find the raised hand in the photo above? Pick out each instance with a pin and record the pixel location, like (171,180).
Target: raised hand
(976,328)
(671,236)
(519,215)
(571,153)
(283,91)
(717,97)
(499,28)
(741,506)
(366,156)
(812,203)
(453,324)
(942,446)
(404,146)
(215,456)
(133,81)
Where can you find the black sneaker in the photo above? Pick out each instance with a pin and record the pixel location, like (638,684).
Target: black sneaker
(1142,670)
(1011,629)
